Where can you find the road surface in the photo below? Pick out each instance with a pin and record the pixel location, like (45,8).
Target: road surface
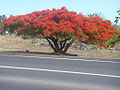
(49,73)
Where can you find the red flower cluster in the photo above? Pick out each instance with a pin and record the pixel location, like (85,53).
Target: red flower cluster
(62,23)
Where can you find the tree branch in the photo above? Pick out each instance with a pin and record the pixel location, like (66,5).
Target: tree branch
(50,43)
(67,46)
(62,44)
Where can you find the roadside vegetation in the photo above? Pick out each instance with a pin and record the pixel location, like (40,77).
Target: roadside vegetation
(61,31)
(2,17)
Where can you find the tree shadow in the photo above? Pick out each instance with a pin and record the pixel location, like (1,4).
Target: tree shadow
(39,53)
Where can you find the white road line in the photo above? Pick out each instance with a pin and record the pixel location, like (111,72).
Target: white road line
(57,71)
(92,60)
(72,59)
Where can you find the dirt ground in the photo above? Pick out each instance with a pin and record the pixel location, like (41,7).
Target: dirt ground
(14,43)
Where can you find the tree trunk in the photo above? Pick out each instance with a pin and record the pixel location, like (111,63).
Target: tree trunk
(59,47)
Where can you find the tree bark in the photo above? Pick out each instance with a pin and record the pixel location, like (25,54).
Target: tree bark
(67,46)
(50,43)
(59,47)
(63,43)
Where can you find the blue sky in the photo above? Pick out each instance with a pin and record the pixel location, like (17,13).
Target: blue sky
(18,7)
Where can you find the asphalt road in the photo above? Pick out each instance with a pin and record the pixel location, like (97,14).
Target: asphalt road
(41,73)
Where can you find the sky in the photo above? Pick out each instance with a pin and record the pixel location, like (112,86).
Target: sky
(108,8)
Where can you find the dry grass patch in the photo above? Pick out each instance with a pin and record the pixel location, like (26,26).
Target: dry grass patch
(97,53)
(14,43)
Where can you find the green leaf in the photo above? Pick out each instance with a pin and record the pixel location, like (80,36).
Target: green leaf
(116,21)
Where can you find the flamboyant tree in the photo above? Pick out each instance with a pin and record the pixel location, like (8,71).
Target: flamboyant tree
(61,27)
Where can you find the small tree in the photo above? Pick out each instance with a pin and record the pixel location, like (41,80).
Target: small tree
(2,17)
(118,17)
(60,28)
